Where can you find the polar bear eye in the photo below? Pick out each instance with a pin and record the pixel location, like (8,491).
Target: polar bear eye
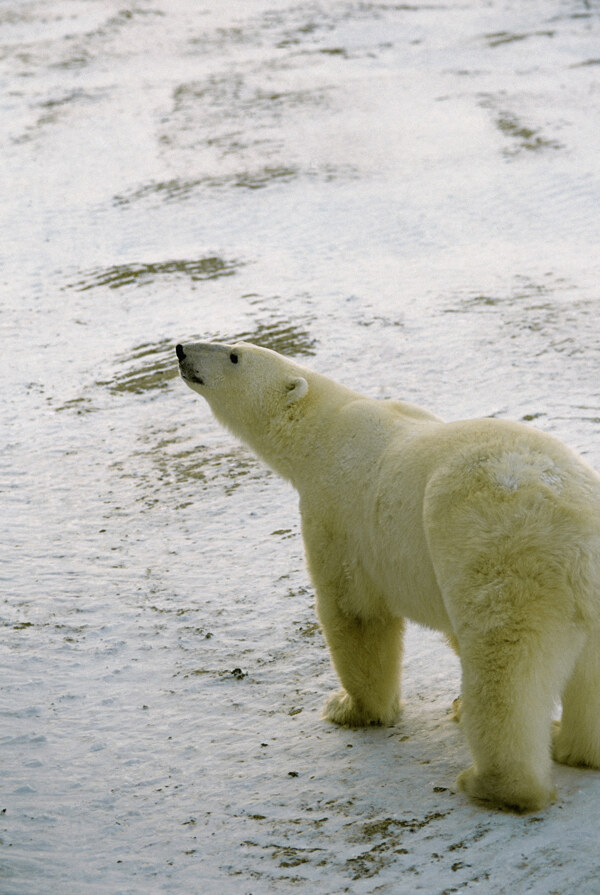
(233,357)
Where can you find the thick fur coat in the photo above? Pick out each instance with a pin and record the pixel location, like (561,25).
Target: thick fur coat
(484,529)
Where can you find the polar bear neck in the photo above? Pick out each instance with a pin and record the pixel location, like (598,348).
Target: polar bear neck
(290,440)
(330,421)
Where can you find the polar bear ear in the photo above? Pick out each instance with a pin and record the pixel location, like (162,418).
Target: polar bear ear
(296,389)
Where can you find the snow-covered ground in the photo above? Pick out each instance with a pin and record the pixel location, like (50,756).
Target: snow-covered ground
(404,196)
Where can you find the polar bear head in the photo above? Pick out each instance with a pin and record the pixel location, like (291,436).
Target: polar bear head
(254,392)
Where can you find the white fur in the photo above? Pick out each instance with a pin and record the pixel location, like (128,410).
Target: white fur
(486,530)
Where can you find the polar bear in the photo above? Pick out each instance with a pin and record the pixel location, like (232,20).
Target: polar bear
(486,530)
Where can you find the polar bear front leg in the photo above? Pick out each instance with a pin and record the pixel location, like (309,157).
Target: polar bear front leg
(366,655)
(365,641)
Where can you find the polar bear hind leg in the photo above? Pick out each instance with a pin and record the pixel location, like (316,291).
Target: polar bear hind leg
(366,655)
(577,736)
(512,677)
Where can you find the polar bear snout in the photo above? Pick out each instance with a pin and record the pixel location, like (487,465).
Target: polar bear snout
(206,358)
(186,366)
(204,363)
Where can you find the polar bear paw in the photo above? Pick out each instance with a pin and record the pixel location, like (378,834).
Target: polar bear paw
(566,751)
(511,791)
(456,710)
(342,709)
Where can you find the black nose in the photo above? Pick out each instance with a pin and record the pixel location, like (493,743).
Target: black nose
(180,352)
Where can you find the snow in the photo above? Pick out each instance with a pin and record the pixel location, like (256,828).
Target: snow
(403,196)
